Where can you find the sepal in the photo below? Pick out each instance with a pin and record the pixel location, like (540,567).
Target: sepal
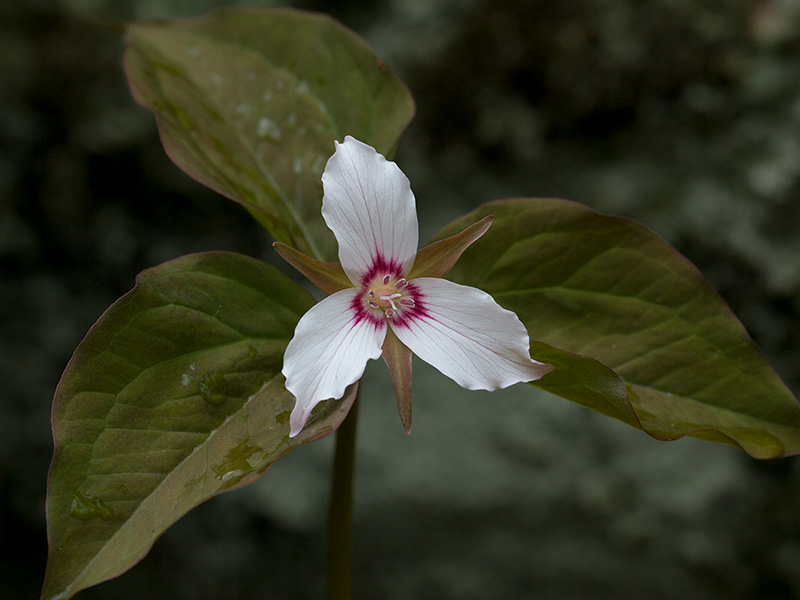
(398,358)
(327,276)
(436,259)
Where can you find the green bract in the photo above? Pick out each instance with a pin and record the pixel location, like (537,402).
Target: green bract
(249,103)
(610,292)
(174,396)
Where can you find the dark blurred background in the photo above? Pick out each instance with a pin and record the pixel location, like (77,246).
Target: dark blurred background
(684,115)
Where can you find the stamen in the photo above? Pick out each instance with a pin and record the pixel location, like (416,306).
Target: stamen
(389,295)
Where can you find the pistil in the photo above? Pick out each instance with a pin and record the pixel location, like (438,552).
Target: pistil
(390,299)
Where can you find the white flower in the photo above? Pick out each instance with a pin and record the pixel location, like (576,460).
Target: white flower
(384,308)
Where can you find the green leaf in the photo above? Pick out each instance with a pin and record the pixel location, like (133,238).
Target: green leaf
(250,101)
(609,289)
(585,381)
(174,395)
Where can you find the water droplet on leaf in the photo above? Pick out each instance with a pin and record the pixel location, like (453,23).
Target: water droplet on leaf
(267,128)
(214,388)
(236,463)
(85,506)
(231,474)
(302,87)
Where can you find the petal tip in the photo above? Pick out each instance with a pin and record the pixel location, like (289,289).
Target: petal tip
(536,370)
(542,369)
(297,421)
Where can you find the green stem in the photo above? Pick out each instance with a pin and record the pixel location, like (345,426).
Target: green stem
(340,538)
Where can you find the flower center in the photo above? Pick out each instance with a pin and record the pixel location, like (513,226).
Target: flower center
(389,294)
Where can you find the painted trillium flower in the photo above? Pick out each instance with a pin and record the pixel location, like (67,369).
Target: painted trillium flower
(385,298)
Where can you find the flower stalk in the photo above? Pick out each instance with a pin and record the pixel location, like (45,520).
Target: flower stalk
(339,560)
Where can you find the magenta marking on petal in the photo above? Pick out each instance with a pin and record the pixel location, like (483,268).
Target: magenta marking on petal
(361,313)
(381,267)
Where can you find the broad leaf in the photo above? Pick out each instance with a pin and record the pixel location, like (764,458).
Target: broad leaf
(250,101)
(174,395)
(609,289)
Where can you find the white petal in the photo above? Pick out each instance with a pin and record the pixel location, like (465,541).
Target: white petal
(330,349)
(470,338)
(369,206)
